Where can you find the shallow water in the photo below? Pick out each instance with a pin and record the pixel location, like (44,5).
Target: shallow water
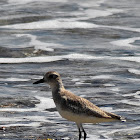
(94,45)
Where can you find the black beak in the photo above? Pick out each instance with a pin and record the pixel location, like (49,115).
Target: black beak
(39,81)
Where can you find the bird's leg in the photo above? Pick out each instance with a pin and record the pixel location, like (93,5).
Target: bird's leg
(79,134)
(85,134)
(78,125)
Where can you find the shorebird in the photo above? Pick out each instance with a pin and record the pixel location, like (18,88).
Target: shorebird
(73,107)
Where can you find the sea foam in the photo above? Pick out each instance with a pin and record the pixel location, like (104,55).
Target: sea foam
(52,24)
(35,120)
(29,1)
(38,45)
(134,71)
(126,42)
(43,59)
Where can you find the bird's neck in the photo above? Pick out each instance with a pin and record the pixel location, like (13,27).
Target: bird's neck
(57,87)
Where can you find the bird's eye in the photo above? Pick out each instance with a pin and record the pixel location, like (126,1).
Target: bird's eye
(53,76)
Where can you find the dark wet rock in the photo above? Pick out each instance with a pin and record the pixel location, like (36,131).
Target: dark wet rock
(6,102)
(51,109)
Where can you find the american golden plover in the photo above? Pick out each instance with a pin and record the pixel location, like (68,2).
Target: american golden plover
(75,108)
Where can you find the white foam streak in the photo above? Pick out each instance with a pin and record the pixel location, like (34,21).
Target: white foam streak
(34,121)
(115,89)
(34,124)
(75,56)
(91,3)
(65,24)
(102,77)
(43,59)
(134,71)
(92,13)
(2,119)
(30,59)
(130,102)
(126,58)
(128,129)
(16,121)
(122,28)
(14,79)
(52,24)
(137,95)
(90,137)
(44,104)
(109,85)
(130,58)
(8,17)
(17,109)
(133,79)
(126,42)
(68,24)
(28,1)
(38,45)
(80,57)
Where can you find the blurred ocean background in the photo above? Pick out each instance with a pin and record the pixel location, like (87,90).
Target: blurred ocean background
(93,44)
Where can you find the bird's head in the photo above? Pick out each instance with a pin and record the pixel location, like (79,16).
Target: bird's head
(51,78)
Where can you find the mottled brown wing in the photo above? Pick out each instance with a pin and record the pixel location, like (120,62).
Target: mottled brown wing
(80,105)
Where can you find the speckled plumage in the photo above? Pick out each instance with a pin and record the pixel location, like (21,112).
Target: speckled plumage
(75,108)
